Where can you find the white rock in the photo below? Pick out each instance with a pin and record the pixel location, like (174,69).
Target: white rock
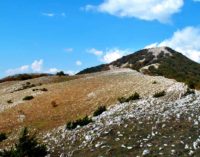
(145,152)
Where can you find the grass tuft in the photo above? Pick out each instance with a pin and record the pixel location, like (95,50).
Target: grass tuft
(26,98)
(159,94)
(80,122)
(99,111)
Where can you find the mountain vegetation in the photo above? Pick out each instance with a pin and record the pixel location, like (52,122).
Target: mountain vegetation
(27,146)
(175,66)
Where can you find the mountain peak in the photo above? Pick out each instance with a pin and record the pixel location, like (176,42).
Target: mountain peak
(162,61)
(156,51)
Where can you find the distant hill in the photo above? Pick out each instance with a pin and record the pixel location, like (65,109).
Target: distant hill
(162,61)
(22,77)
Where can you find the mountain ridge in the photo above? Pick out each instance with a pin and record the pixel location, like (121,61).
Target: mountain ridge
(161,61)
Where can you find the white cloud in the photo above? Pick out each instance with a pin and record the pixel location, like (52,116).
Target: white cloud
(48,14)
(196,0)
(111,56)
(63,14)
(95,51)
(70,72)
(69,49)
(21,69)
(37,65)
(149,10)
(185,41)
(78,63)
(53,70)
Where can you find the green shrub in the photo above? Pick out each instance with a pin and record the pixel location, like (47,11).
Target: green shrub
(189,91)
(54,104)
(191,84)
(2,137)
(122,100)
(26,98)
(44,90)
(27,146)
(80,122)
(61,73)
(159,94)
(154,82)
(9,101)
(135,96)
(99,111)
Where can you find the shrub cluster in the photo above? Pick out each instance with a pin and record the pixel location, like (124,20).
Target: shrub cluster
(188,72)
(27,146)
(99,111)
(9,101)
(159,94)
(26,98)
(80,122)
(43,90)
(189,91)
(2,137)
(135,96)
(61,73)
(54,104)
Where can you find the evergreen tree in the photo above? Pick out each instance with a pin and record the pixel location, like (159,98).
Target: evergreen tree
(27,146)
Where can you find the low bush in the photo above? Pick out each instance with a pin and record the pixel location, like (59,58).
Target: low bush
(99,111)
(44,90)
(122,100)
(191,84)
(154,82)
(80,122)
(54,104)
(2,137)
(61,73)
(26,98)
(189,91)
(135,96)
(9,101)
(159,94)
(27,146)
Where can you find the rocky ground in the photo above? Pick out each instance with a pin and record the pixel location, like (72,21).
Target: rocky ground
(165,126)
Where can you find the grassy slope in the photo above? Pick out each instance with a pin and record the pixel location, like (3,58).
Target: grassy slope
(77,98)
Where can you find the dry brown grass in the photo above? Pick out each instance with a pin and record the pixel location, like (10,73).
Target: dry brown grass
(78,97)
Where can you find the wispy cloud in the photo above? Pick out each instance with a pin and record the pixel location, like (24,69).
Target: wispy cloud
(109,55)
(95,51)
(36,66)
(69,49)
(79,63)
(53,70)
(63,14)
(51,14)
(149,10)
(48,14)
(21,69)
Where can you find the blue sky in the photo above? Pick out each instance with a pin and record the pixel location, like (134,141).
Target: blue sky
(70,35)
